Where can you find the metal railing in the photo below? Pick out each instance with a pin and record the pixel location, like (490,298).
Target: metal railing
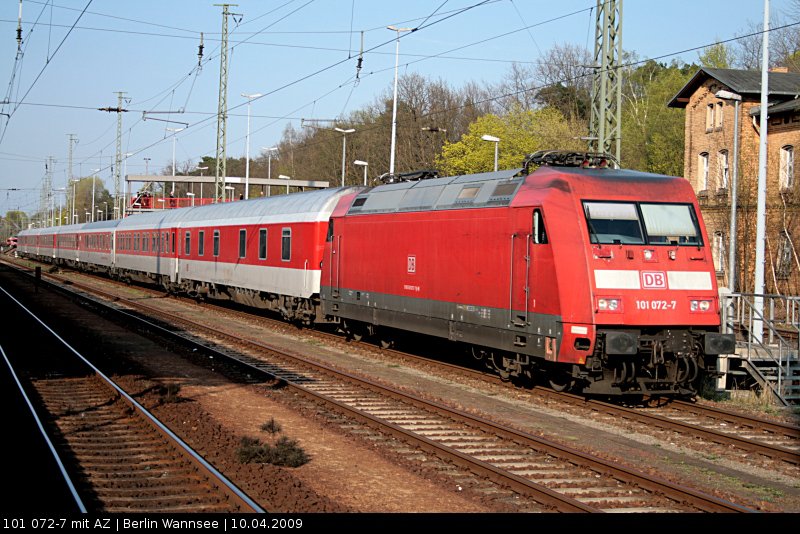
(772,335)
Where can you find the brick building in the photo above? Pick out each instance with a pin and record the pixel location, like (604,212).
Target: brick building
(708,164)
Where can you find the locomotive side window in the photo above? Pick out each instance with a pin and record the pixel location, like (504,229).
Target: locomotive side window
(539,233)
(286,244)
(242,243)
(201,243)
(216,243)
(329,237)
(262,244)
(187,244)
(613,222)
(670,224)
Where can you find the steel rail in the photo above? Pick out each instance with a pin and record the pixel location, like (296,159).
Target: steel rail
(236,495)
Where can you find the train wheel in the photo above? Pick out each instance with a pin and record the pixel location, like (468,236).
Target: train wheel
(560,381)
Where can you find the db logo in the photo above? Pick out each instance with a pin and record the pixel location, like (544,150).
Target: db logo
(654,280)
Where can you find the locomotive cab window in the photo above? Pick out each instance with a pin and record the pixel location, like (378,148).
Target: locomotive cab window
(538,232)
(640,223)
(286,244)
(216,243)
(670,224)
(613,222)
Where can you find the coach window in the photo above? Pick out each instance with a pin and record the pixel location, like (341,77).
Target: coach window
(286,244)
(201,243)
(216,243)
(172,249)
(539,233)
(242,243)
(136,242)
(262,244)
(187,244)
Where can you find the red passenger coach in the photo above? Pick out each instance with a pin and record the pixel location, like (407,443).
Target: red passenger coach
(600,279)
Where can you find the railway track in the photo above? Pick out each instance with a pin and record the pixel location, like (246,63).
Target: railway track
(119,457)
(704,424)
(554,477)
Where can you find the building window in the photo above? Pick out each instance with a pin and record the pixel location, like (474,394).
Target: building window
(718,116)
(718,251)
(702,164)
(783,268)
(709,117)
(242,243)
(787,167)
(201,243)
(262,244)
(722,162)
(286,244)
(216,243)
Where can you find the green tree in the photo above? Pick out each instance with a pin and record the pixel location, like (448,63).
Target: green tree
(652,133)
(716,56)
(521,132)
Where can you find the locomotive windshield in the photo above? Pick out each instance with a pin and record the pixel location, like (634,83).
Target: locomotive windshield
(641,223)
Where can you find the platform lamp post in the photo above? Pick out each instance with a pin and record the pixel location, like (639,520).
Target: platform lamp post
(344,146)
(247,147)
(94,179)
(269,150)
(287,178)
(174,138)
(496,141)
(394,98)
(201,169)
(124,203)
(362,164)
(191,195)
(230,188)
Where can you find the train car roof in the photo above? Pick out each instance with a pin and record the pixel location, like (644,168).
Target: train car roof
(296,207)
(97,226)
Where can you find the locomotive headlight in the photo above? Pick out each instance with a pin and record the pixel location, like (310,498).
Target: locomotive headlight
(648,254)
(699,305)
(608,304)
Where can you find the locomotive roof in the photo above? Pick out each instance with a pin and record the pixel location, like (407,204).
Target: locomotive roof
(450,192)
(305,206)
(492,189)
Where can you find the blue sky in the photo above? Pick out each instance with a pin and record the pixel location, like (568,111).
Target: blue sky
(301,54)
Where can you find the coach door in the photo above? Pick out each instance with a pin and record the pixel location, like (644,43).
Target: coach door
(334,259)
(519,268)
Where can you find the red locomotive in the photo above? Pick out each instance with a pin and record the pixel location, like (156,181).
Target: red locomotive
(596,279)
(600,280)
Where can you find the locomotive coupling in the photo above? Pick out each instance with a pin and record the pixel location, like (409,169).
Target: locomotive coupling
(621,343)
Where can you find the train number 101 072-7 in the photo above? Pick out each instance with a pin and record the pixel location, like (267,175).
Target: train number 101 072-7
(656,304)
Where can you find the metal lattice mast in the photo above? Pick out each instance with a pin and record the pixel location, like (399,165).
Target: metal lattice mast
(47,191)
(70,205)
(605,133)
(119,111)
(222,111)
(118,160)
